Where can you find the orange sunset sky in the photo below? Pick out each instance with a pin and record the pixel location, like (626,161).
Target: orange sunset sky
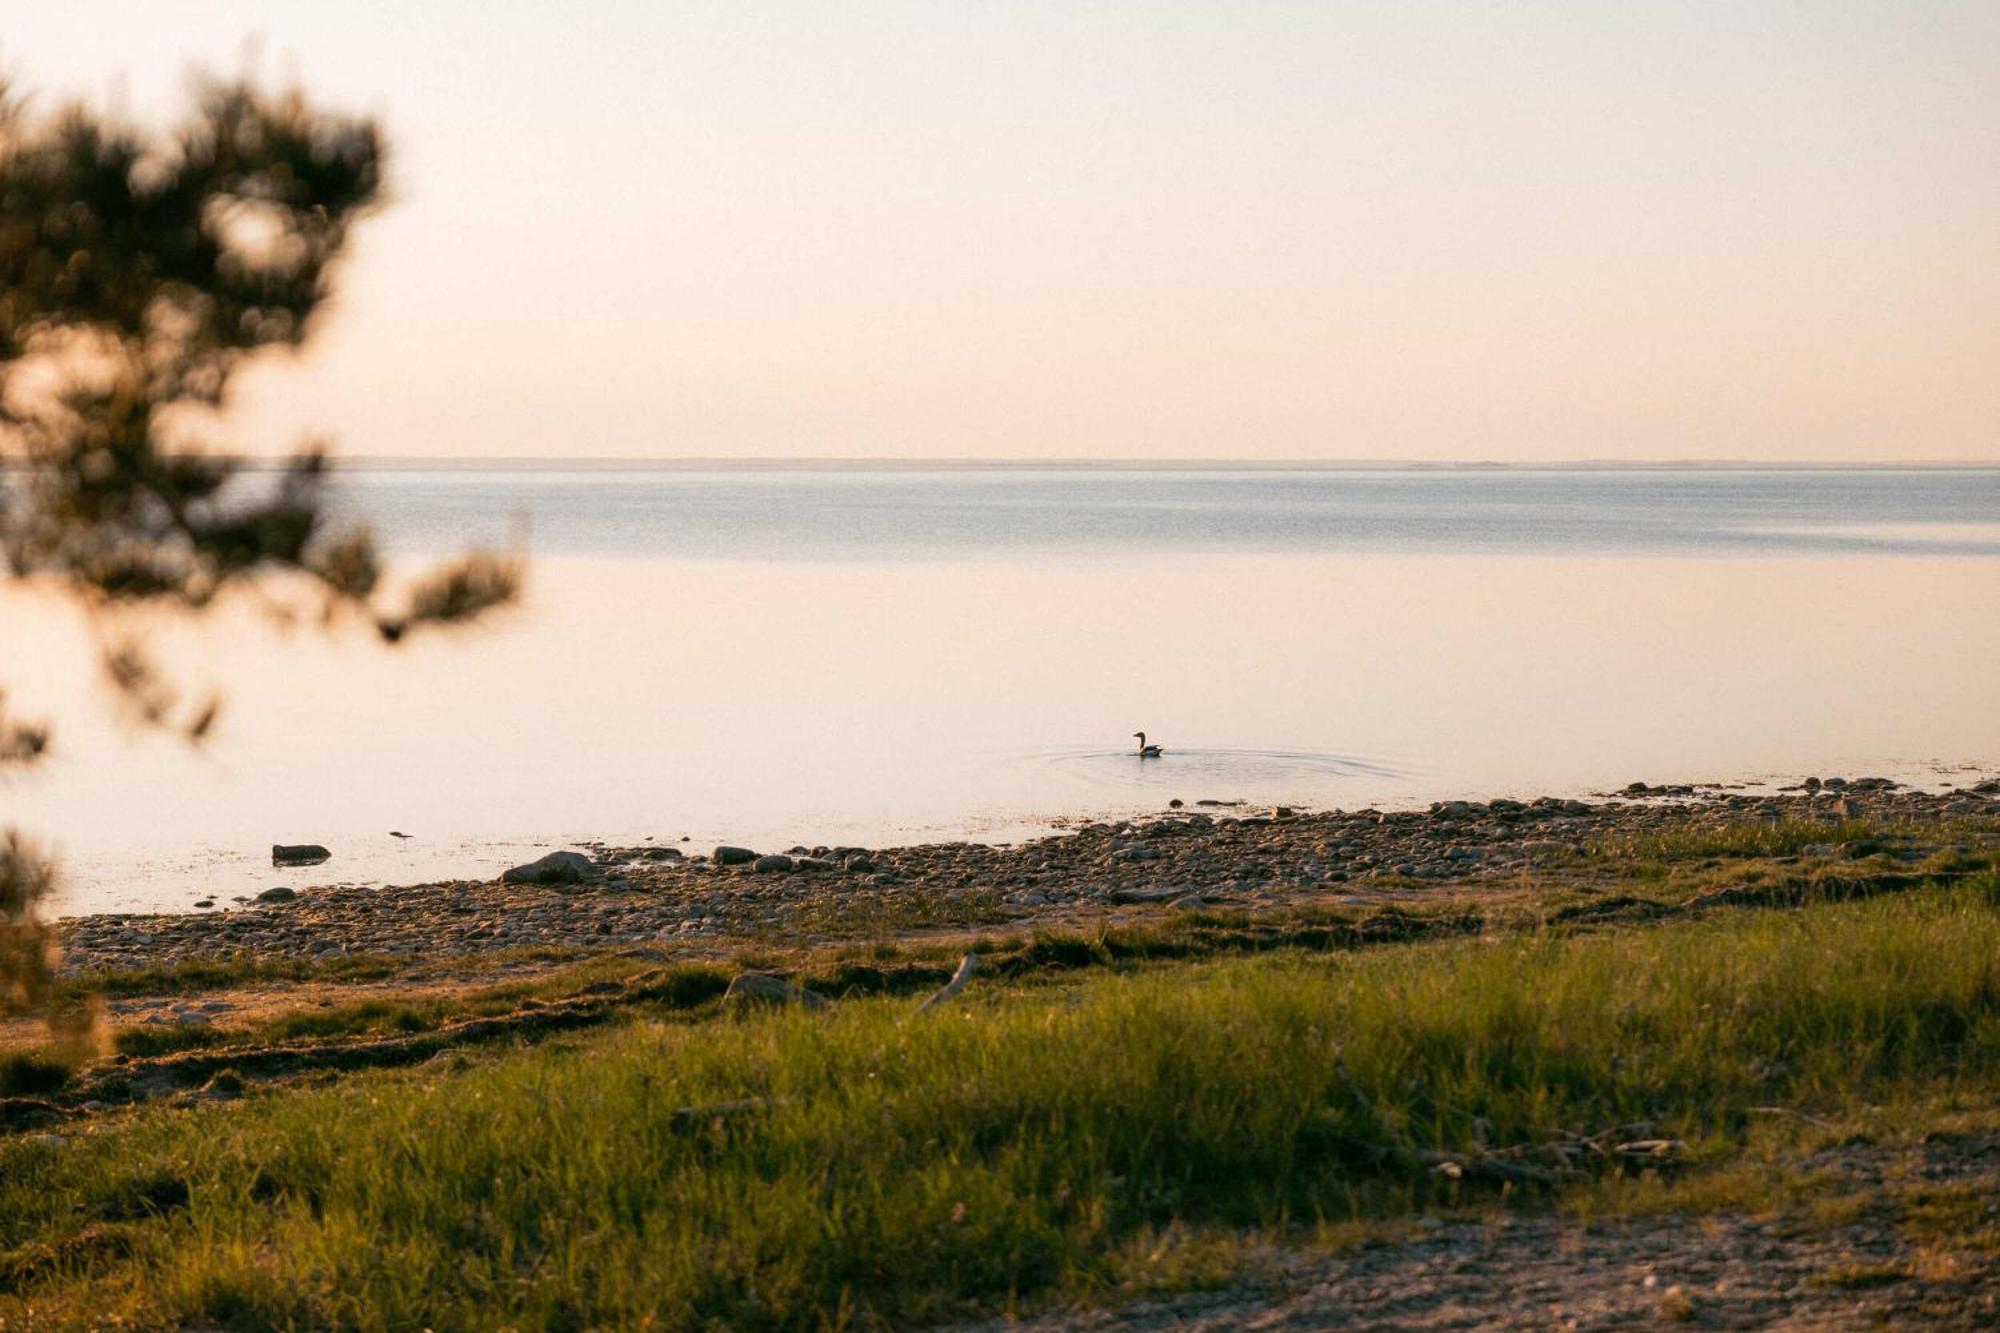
(1521,232)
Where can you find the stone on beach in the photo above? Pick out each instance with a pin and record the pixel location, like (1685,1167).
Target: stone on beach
(555,868)
(281,894)
(726,855)
(773,864)
(298,854)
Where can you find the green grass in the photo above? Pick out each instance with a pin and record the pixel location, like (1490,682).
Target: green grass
(869,913)
(845,972)
(32,1072)
(1069,1138)
(1744,839)
(242,968)
(165,1040)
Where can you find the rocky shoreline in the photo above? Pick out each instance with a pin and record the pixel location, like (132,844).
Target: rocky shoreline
(661,898)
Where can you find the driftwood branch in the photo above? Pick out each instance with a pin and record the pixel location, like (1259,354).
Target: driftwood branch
(1797,1115)
(1569,1156)
(966,967)
(1458,1166)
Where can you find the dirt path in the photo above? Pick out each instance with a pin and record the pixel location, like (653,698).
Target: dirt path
(1885,1269)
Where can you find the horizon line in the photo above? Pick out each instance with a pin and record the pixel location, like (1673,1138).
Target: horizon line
(698,462)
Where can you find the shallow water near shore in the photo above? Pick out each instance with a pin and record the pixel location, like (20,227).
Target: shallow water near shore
(851,656)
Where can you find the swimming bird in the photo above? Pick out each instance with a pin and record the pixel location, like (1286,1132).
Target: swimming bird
(1146,751)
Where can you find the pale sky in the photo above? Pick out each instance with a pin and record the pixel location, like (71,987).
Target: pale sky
(1242,229)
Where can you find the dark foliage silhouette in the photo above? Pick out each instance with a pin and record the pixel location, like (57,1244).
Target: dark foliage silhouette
(138,273)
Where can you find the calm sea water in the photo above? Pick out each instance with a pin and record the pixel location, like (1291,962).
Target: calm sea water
(1002,514)
(867,655)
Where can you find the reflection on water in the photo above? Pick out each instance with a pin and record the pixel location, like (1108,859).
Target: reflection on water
(834,701)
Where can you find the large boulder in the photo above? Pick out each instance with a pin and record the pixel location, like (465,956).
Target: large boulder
(298,854)
(555,868)
(750,989)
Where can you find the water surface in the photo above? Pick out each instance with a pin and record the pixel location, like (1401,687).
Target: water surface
(778,657)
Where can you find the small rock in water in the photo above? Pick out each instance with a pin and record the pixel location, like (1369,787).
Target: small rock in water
(281,894)
(734,856)
(1176,803)
(298,854)
(555,868)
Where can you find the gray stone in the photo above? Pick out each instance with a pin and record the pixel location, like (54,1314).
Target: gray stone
(280,894)
(759,988)
(726,855)
(555,868)
(298,854)
(1159,895)
(774,864)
